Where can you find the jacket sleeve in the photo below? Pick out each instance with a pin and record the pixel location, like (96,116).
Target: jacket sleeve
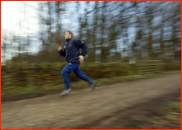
(83,46)
(62,52)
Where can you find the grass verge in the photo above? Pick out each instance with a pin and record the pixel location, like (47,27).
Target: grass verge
(48,89)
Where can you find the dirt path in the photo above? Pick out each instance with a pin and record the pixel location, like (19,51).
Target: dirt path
(85,109)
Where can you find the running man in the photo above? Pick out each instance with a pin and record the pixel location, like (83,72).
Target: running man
(74,58)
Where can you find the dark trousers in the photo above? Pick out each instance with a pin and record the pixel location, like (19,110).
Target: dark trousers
(73,67)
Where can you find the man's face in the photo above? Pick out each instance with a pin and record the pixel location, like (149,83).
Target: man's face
(67,35)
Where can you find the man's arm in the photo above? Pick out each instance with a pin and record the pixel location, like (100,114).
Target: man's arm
(61,51)
(83,46)
(84,50)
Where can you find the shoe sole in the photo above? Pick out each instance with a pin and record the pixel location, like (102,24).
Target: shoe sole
(93,86)
(65,94)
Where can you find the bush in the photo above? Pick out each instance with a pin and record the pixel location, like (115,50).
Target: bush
(24,74)
(38,75)
(170,66)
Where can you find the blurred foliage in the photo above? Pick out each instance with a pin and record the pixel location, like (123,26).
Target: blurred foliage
(170,66)
(22,75)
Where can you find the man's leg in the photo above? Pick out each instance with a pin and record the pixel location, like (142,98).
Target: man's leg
(82,76)
(70,67)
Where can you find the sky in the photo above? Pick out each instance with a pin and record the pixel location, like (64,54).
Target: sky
(12,14)
(17,19)
(14,20)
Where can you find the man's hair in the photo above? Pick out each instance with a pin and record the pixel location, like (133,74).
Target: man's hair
(70,33)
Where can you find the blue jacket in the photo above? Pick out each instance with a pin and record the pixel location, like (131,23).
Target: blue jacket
(71,50)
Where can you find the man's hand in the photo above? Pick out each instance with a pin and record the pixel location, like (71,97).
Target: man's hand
(58,47)
(81,58)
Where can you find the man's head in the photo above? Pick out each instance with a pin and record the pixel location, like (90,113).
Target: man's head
(68,35)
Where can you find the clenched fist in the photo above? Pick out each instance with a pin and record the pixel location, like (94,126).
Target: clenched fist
(81,58)
(58,47)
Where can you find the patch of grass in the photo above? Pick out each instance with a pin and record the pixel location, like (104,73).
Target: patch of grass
(170,116)
(111,80)
(125,78)
(101,81)
(4,93)
(79,85)
(161,74)
(136,127)
(150,75)
(153,119)
(173,72)
(31,90)
(55,83)
(12,92)
(175,106)
(57,87)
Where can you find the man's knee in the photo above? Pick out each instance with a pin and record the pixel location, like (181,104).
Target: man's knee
(63,73)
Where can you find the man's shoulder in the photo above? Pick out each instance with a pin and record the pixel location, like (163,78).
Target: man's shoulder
(75,40)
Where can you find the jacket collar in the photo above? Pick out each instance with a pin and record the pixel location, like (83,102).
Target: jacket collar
(68,39)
